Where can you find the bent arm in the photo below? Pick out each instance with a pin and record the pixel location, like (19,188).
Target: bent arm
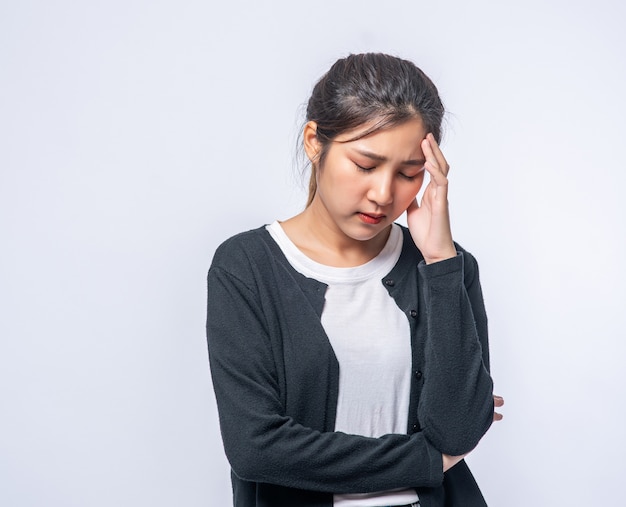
(456,406)
(263,443)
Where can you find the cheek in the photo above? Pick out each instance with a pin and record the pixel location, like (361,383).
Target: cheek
(408,192)
(341,180)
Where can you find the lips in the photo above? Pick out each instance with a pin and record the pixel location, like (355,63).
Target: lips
(371,218)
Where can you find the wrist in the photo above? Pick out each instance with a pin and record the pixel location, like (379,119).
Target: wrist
(449,254)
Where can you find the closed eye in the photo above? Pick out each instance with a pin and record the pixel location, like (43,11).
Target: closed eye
(412,177)
(364,169)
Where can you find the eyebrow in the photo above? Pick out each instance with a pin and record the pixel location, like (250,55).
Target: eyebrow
(380,158)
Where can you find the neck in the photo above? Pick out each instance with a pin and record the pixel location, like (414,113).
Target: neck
(315,233)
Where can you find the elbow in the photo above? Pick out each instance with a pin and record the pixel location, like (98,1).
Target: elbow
(463,442)
(456,440)
(253,457)
(244,471)
(247,461)
(246,466)
(459,432)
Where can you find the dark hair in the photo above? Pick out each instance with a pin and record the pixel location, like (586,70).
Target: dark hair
(370,87)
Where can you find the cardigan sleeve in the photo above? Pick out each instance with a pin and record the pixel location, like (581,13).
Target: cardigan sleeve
(456,405)
(262,443)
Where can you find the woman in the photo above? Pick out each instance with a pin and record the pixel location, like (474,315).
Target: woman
(349,355)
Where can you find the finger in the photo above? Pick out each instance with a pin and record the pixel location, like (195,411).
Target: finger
(498,401)
(432,165)
(438,154)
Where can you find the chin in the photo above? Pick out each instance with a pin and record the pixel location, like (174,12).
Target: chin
(366,233)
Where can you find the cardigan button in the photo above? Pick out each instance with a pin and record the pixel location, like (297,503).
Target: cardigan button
(418,374)
(389,282)
(415,428)
(413,313)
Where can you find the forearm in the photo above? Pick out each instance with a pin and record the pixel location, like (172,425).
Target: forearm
(264,446)
(456,405)
(280,451)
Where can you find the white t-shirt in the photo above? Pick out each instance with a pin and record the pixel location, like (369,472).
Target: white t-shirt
(370,336)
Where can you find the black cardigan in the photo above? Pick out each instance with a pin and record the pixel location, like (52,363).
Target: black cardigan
(276,380)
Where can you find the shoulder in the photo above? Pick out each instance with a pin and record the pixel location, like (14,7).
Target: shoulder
(245,252)
(409,249)
(242,244)
(254,263)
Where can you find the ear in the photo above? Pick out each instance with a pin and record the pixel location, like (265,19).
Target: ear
(311,143)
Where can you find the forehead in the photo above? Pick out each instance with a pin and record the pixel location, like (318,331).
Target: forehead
(403,136)
(377,126)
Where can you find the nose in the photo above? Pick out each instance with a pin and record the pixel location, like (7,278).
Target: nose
(381,189)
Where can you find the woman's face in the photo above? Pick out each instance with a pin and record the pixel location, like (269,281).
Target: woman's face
(366,184)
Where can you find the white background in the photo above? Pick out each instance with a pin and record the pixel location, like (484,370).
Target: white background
(136,136)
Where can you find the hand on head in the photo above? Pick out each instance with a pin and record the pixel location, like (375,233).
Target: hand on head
(429,222)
